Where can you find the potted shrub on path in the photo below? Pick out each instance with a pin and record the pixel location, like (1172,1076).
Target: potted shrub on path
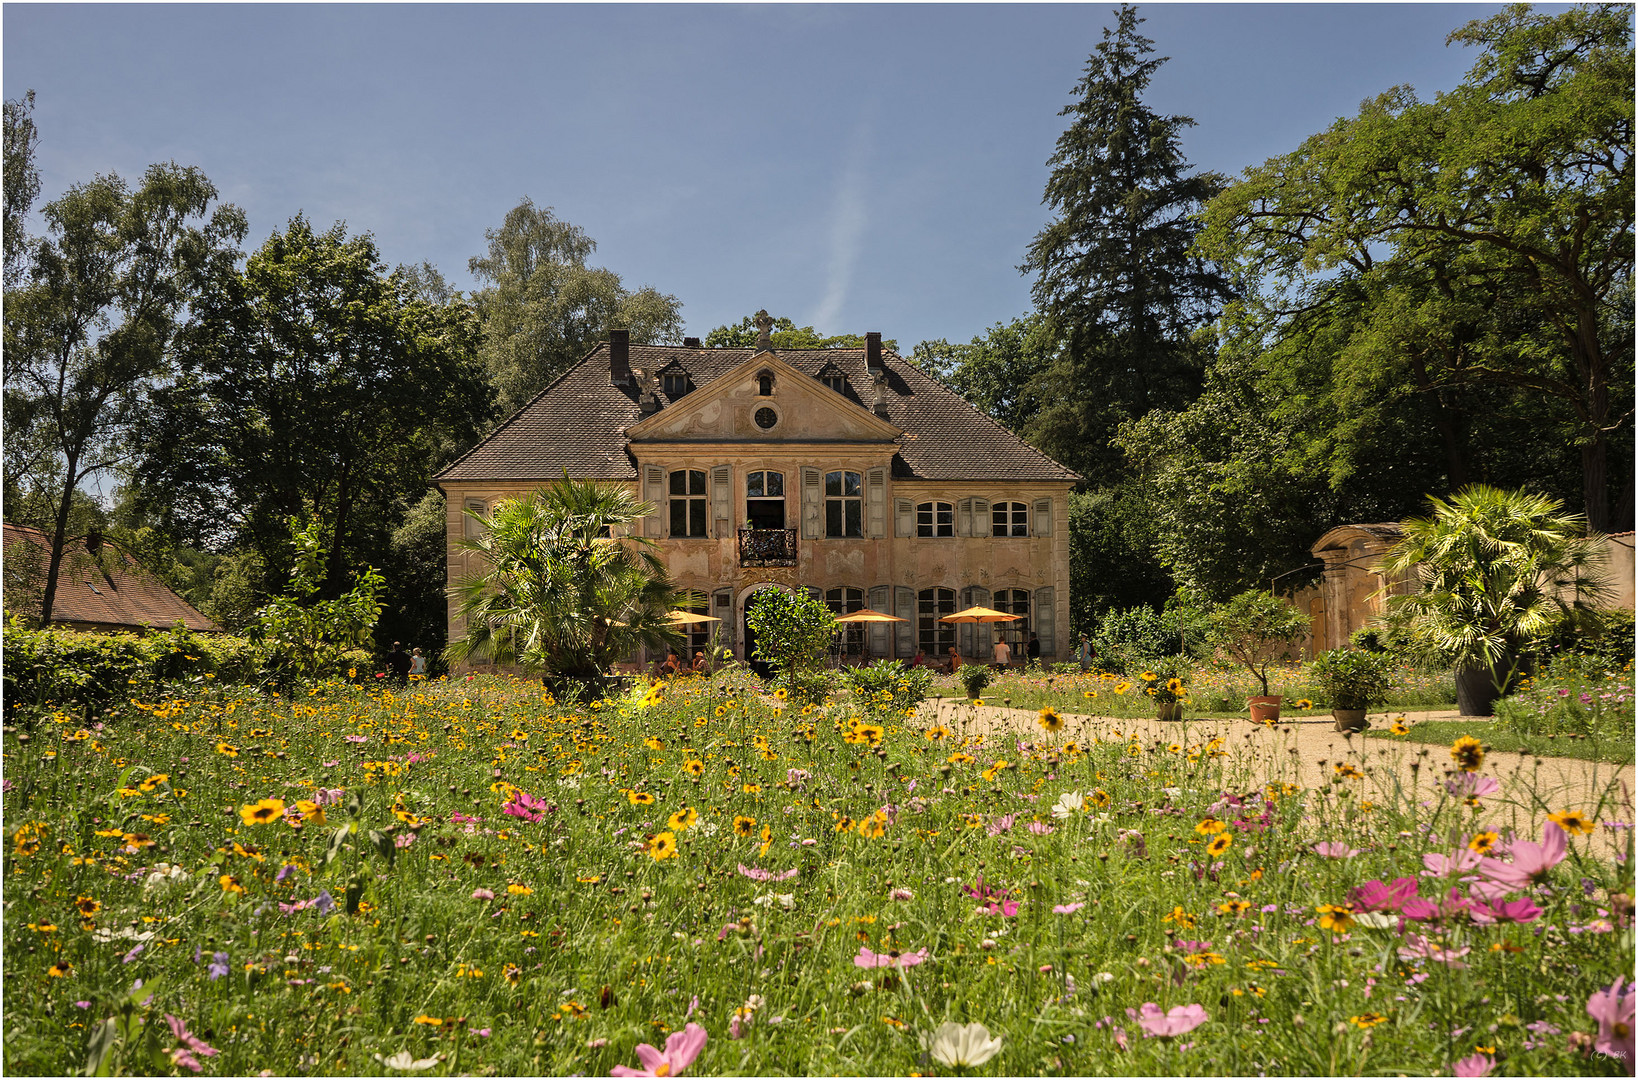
(1352,680)
(1257,630)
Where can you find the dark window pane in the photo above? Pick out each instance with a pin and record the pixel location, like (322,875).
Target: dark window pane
(855,517)
(833,483)
(696,517)
(753,486)
(776,485)
(679,483)
(852,484)
(679,517)
(833,518)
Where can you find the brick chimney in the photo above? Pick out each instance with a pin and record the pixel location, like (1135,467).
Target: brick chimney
(691,342)
(620,357)
(873,351)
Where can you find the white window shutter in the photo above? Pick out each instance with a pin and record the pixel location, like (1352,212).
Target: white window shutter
(981,517)
(722,605)
(1045,621)
(472,528)
(904,603)
(964,518)
(1043,517)
(876,502)
(876,635)
(904,517)
(654,492)
(813,505)
(722,512)
(964,631)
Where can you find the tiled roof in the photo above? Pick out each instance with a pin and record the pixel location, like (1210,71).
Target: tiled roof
(113,591)
(578,423)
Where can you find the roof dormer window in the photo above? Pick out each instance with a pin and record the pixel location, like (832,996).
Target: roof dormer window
(833,377)
(675,384)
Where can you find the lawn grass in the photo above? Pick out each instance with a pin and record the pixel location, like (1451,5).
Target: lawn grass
(1497,737)
(488,882)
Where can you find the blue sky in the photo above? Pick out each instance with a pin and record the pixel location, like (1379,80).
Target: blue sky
(857,167)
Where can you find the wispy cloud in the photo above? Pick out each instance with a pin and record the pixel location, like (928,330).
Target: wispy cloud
(847,228)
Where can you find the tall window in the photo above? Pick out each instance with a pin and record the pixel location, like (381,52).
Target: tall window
(765,500)
(846,602)
(1010,519)
(1016,633)
(934,637)
(844,504)
(699,634)
(764,384)
(935,519)
(688,502)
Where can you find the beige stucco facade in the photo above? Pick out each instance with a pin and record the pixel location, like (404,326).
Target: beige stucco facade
(834,459)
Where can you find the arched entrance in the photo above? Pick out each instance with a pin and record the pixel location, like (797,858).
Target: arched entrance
(762,668)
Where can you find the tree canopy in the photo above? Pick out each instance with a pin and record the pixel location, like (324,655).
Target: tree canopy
(785,334)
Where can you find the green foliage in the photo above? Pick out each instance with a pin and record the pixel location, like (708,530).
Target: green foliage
(311,634)
(1495,567)
(997,370)
(888,686)
(543,307)
(559,594)
(88,335)
(21,181)
(793,633)
(75,670)
(1114,537)
(1479,242)
(974,678)
(1605,635)
(1573,695)
(1352,678)
(312,381)
(1257,629)
(1135,638)
(785,334)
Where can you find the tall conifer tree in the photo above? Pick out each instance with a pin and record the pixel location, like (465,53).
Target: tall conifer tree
(1114,273)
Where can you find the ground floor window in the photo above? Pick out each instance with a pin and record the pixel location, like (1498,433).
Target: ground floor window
(845,602)
(935,638)
(1015,633)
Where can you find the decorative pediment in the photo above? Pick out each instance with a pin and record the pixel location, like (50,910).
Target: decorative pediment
(765,399)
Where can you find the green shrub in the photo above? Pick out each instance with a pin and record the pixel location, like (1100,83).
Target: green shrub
(1352,678)
(1606,637)
(71,669)
(974,678)
(889,686)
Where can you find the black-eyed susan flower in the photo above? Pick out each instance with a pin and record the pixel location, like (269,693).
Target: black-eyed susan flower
(60,970)
(1051,719)
(1219,844)
(1335,919)
(264,812)
(640,798)
(662,846)
(1468,753)
(227,750)
(1572,822)
(682,819)
(744,826)
(1483,842)
(230,884)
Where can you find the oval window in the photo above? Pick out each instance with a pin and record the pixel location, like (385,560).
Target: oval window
(766,418)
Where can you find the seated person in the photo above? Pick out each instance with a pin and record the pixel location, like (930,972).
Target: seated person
(672,665)
(920,659)
(700,666)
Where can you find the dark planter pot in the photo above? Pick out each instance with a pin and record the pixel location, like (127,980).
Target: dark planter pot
(1476,691)
(1350,720)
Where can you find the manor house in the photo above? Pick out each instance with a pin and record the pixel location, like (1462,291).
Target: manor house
(850,473)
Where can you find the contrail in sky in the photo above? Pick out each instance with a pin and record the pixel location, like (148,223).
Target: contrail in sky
(847,228)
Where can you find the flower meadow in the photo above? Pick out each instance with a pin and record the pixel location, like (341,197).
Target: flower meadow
(698,878)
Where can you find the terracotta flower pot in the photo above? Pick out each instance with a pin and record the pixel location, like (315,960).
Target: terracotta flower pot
(1264,710)
(1350,720)
(1169,710)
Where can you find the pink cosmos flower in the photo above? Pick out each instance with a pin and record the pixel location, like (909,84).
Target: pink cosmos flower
(1377,896)
(1417,947)
(1451,905)
(525,806)
(1459,862)
(756,873)
(681,1048)
(868,959)
(1041,828)
(1476,1065)
(1002,824)
(1181,1020)
(1333,849)
(1472,785)
(191,1045)
(482,894)
(1531,861)
(1066,909)
(1613,1009)
(1519,911)
(1005,908)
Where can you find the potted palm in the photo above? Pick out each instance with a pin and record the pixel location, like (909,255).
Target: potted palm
(1496,568)
(1258,629)
(1352,680)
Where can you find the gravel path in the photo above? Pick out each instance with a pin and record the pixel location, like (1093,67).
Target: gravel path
(1306,752)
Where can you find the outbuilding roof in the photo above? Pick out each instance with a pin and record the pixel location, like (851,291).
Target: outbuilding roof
(109,590)
(578,423)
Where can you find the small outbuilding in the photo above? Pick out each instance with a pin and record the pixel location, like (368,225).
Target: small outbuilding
(100,588)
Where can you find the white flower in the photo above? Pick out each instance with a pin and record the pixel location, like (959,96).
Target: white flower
(1067,804)
(405,1063)
(1103,977)
(786,900)
(754,1002)
(570,782)
(708,828)
(960,1045)
(1376,920)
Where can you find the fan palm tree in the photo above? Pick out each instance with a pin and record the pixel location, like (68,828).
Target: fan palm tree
(560,595)
(1497,568)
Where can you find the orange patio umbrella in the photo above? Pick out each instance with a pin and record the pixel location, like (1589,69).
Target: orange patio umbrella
(979,615)
(687,618)
(865,615)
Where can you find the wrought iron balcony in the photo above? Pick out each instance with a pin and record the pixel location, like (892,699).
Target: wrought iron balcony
(767,547)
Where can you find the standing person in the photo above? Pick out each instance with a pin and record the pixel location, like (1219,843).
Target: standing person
(399,661)
(1087,655)
(1033,649)
(418,663)
(1003,652)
